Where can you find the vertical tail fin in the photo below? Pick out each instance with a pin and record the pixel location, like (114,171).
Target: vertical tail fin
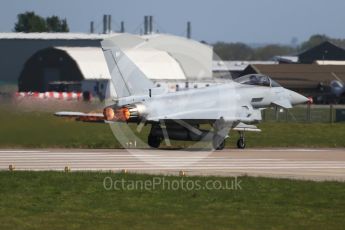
(126,77)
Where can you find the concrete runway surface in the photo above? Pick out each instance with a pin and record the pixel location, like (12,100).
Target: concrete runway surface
(311,164)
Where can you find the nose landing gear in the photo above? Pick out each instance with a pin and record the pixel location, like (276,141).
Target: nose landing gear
(241,143)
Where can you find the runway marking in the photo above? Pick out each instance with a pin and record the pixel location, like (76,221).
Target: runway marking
(301,163)
(142,152)
(215,161)
(286,150)
(22,151)
(97,157)
(176,168)
(168,162)
(75,155)
(205,164)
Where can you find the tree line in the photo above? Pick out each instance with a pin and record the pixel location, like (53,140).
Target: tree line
(242,51)
(29,22)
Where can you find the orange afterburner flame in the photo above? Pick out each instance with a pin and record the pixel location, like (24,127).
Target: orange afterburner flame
(90,119)
(108,113)
(121,114)
(125,113)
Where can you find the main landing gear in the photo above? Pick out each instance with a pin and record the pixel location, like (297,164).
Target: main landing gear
(221,131)
(154,141)
(217,137)
(241,143)
(218,142)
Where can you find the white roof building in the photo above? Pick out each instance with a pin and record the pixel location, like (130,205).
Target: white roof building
(189,57)
(156,64)
(54,36)
(90,61)
(159,57)
(329,62)
(69,57)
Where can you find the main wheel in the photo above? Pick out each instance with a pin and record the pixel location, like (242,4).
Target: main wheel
(153,141)
(218,142)
(241,144)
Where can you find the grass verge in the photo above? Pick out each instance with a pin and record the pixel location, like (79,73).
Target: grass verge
(43,130)
(78,200)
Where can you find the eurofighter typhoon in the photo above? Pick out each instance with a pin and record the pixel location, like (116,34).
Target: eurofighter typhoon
(233,105)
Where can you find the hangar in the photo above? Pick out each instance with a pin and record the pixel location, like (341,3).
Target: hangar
(303,78)
(65,69)
(83,69)
(17,48)
(326,51)
(194,58)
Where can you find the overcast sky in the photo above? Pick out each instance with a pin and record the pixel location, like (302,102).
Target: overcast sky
(249,21)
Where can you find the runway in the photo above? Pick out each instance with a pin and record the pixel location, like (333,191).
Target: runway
(311,164)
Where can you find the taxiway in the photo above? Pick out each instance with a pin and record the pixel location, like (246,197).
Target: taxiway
(311,164)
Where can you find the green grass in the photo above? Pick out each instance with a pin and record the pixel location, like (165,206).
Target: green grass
(42,130)
(299,114)
(297,135)
(56,200)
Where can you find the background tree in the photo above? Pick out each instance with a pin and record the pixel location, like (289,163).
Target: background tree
(55,24)
(269,51)
(314,40)
(64,26)
(30,22)
(233,51)
(241,51)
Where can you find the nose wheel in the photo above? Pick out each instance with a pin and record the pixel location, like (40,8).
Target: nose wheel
(241,143)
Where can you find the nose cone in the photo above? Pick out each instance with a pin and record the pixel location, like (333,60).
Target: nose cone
(296,98)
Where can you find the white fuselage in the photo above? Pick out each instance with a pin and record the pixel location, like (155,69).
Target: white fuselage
(231,101)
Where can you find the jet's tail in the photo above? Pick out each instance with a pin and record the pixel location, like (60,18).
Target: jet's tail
(126,77)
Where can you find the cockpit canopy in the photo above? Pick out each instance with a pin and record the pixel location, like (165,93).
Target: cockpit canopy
(257,79)
(336,84)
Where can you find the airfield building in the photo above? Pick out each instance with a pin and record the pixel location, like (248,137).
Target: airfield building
(17,48)
(307,79)
(43,62)
(326,51)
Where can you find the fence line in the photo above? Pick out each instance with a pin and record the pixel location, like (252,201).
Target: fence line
(306,113)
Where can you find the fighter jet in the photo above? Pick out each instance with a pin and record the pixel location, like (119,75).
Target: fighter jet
(181,115)
(331,93)
(337,90)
